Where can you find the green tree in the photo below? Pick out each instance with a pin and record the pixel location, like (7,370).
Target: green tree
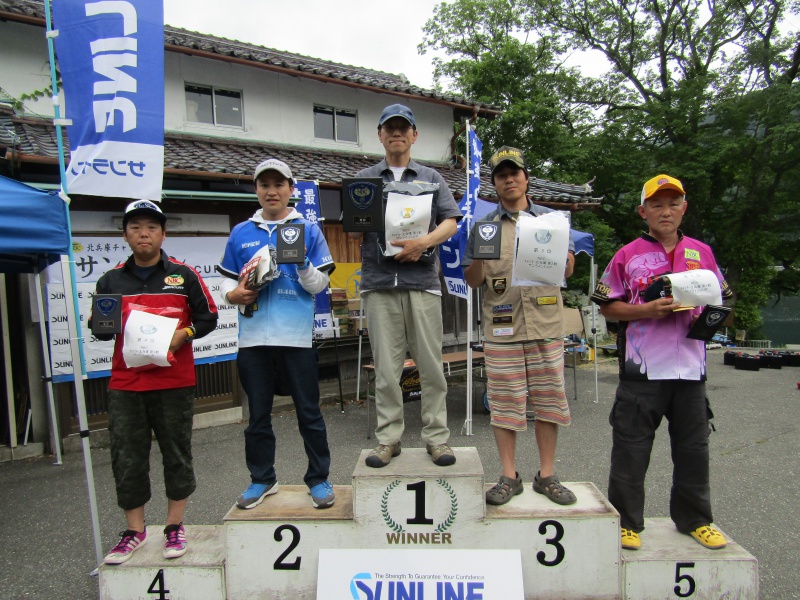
(707,93)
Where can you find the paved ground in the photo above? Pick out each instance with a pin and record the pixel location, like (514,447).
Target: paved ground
(46,549)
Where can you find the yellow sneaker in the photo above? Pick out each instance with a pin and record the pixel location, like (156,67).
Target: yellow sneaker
(709,537)
(630,539)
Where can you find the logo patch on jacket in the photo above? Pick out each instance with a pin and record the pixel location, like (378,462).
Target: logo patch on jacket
(691,254)
(692,265)
(499,285)
(173,279)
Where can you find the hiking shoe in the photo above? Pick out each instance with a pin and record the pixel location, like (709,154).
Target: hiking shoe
(382,455)
(322,495)
(630,539)
(129,540)
(441,455)
(504,490)
(255,494)
(174,541)
(553,489)
(709,537)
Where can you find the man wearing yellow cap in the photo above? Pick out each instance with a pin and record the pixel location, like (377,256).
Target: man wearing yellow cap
(662,372)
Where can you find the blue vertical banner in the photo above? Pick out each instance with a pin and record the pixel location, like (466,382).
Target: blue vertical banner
(452,251)
(306,201)
(111,58)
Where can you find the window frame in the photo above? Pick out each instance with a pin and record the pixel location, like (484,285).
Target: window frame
(336,111)
(214,89)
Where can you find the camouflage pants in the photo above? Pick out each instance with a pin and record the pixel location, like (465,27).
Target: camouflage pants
(133,419)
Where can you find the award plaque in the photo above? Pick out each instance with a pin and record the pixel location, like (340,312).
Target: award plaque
(660,287)
(709,321)
(487,240)
(291,247)
(106,314)
(362,204)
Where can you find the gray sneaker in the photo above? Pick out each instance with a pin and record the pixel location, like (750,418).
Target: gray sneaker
(441,455)
(382,455)
(504,490)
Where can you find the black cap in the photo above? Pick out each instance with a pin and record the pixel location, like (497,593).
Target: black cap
(145,208)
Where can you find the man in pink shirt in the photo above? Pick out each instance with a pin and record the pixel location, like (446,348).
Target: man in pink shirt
(662,372)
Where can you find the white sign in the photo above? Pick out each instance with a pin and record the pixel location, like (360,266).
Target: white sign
(94,255)
(542,245)
(429,574)
(696,288)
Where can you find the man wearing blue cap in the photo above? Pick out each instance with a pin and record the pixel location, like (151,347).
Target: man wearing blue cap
(402,301)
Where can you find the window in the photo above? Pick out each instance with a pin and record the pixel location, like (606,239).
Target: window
(335,124)
(205,104)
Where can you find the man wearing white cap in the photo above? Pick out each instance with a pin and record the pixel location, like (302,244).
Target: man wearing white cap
(662,372)
(275,335)
(159,400)
(402,301)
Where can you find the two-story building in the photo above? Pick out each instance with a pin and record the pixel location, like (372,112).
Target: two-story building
(228,105)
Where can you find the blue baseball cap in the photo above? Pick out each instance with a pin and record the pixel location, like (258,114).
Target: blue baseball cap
(397,110)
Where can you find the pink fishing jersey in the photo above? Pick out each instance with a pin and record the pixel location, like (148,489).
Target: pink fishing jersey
(653,349)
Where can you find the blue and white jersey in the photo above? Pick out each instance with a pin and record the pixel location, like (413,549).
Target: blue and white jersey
(285,314)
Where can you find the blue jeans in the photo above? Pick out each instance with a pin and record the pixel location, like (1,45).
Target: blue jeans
(259,367)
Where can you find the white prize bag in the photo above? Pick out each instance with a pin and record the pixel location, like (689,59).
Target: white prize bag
(541,247)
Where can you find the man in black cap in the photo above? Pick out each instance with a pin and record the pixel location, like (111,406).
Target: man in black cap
(523,340)
(157,400)
(402,301)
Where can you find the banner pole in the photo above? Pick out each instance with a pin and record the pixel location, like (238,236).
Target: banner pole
(68,275)
(468,421)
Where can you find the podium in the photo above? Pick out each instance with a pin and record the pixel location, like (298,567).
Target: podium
(273,550)
(200,573)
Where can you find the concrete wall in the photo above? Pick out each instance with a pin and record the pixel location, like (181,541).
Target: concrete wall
(279,108)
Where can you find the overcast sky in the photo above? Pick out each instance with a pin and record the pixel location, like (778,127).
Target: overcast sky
(376,34)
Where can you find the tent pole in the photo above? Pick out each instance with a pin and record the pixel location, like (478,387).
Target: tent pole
(51,405)
(12,418)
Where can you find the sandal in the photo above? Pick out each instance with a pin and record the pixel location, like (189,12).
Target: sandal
(504,490)
(553,489)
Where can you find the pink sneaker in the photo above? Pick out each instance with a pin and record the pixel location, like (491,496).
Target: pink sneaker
(174,541)
(129,541)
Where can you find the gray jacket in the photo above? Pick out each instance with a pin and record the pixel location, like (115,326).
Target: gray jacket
(377,274)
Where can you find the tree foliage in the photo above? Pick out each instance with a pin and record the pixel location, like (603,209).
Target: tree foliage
(703,90)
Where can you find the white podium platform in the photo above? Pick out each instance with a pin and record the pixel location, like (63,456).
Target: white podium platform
(673,565)
(200,573)
(412,505)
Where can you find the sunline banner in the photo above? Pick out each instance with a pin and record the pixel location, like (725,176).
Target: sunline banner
(451,252)
(111,59)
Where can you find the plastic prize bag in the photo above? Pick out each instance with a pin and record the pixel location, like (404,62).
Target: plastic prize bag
(147,336)
(258,273)
(541,245)
(409,212)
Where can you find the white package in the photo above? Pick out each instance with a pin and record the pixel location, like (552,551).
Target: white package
(696,288)
(542,244)
(406,218)
(147,339)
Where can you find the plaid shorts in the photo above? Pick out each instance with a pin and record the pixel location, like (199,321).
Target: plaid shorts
(133,419)
(523,372)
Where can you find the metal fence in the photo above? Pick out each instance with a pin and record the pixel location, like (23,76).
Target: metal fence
(754,344)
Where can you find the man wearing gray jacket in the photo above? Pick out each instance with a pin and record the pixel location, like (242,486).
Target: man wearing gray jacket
(402,301)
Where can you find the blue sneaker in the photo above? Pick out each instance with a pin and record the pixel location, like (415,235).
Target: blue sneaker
(322,495)
(255,494)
